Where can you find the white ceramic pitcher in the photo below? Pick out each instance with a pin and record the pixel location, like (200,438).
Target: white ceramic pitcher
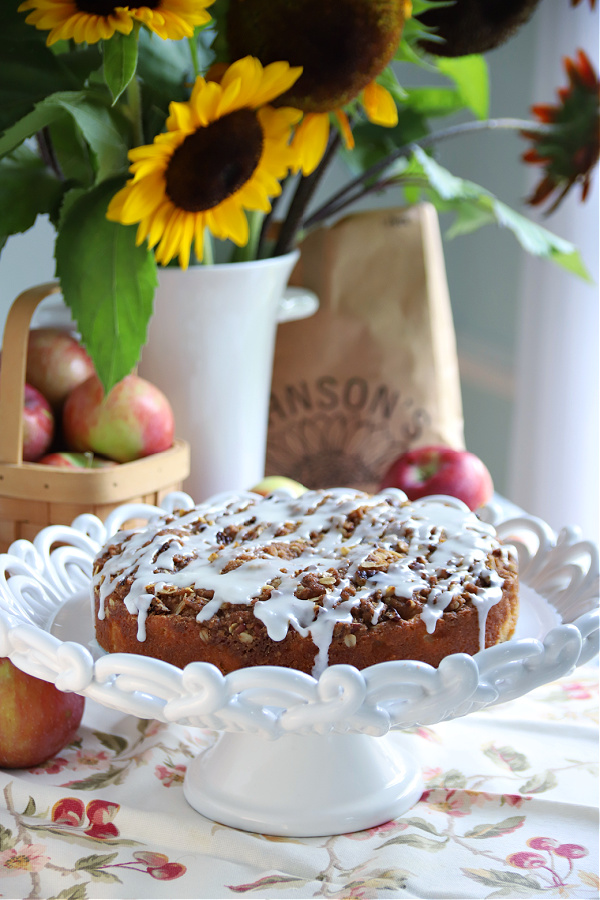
(210,349)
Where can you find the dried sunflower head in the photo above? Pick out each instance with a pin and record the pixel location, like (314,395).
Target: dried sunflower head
(342,45)
(474,26)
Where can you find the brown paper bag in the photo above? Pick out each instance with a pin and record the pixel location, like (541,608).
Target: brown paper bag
(375,371)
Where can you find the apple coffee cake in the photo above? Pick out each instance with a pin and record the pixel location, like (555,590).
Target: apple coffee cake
(333,576)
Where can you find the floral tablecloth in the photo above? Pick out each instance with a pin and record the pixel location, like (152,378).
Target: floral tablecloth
(509,810)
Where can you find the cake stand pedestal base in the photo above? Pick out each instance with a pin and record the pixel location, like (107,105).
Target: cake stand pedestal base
(303,785)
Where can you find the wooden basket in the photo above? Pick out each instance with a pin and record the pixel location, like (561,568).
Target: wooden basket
(33,496)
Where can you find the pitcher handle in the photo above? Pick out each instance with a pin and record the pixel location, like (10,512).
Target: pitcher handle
(297,303)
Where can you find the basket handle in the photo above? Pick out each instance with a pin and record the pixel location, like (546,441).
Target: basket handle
(14,365)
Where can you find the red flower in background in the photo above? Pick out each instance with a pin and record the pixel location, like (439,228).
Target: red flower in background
(569,147)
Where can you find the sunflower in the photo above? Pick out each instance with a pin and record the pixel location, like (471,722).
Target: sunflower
(570,147)
(173,19)
(464,27)
(342,46)
(224,151)
(90,21)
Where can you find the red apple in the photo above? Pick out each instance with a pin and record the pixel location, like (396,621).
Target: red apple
(36,719)
(56,364)
(62,460)
(135,419)
(278,483)
(38,424)
(441,470)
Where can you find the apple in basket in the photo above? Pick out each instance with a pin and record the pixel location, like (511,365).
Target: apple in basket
(36,719)
(56,363)
(441,470)
(38,424)
(133,420)
(64,460)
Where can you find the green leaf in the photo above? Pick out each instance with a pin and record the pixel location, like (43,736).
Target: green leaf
(28,189)
(92,117)
(113,742)
(378,879)
(71,152)
(7,840)
(544,781)
(417,840)
(93,866)
(30,808)
(120,61)
(113,775)
(430,102)
(30,71)
(76,892)
(453,778)
(95,860)
(507,826)
(73,837)
(107,282)
(470,75)
(476,206)
(496,878)
(417,822)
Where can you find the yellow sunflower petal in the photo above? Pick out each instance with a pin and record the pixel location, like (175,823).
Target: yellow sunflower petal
(143,198)
(181,116)
(248,70)
(345,129)
(310,142)
(157,223)
(170,242)
(64,20)
(277,78)
(379,105)
(173,19)
(186,238)
(276,123)
(253,196)
(204,101)
(115,207)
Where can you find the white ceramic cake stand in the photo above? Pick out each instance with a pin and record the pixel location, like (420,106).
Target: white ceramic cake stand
(296,756)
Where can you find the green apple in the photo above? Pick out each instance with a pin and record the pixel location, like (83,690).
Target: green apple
(36,719)
(134,420)
(279,483)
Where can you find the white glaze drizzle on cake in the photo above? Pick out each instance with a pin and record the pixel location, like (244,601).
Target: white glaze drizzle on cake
(440,546)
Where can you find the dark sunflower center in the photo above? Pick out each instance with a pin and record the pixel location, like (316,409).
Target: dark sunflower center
(214,162)
(342,45)
(107,7)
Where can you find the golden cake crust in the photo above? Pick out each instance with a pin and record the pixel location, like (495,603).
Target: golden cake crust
(381,619)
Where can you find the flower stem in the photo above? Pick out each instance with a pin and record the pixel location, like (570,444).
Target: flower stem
(207,254)
(249,250)
(134,101)
(358,187)
(44,142)
(194,55)
(304,192)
